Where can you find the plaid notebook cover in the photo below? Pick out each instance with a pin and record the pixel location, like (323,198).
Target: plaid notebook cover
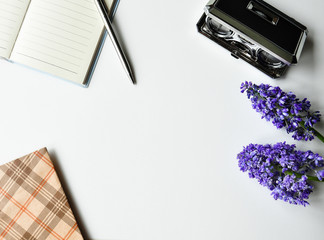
(32,202)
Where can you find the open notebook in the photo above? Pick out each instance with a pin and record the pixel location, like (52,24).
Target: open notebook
(59,37)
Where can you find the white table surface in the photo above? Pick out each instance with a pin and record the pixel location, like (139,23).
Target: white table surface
(157,161)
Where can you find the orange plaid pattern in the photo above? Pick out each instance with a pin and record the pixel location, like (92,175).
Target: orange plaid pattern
(32,202)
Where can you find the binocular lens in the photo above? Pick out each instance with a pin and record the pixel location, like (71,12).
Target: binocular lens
(218,29)
(269,60)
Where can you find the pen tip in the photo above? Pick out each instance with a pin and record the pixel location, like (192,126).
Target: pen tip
(132,78)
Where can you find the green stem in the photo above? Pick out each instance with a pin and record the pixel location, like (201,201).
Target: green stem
(289,172)
(311,178)
(318,135)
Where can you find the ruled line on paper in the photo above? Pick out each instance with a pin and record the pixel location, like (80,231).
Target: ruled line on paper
(51,48)
(65,15)
(38,59)
(61,29)
(8,19)
(80,5)
(4,32)
(69,9)
(5,25)
(11,3)
(61,36)
(10,12)
(51,40)
(77,3)
(49,55)
(64,22)
(4,40)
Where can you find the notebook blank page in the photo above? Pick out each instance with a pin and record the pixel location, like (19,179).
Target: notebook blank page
(12,13)
(59,37)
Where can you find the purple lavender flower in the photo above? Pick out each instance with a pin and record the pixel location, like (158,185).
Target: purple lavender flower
(284,110)
(282,169)
(320,175)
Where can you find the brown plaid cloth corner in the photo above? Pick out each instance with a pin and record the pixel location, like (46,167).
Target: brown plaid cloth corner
(32,202)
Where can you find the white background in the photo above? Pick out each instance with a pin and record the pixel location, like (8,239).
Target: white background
(157,161)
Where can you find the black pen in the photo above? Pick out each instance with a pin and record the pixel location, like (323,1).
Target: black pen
(104,13)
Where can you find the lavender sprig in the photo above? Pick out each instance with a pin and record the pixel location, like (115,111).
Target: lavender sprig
(282,169)
(284,110)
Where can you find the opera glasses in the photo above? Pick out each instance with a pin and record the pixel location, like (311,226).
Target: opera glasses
(256,32)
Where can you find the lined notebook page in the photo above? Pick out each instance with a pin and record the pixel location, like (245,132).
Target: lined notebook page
(12,13)
(59,37)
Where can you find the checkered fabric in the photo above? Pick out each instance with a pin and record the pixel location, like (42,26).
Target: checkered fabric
(33,205)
